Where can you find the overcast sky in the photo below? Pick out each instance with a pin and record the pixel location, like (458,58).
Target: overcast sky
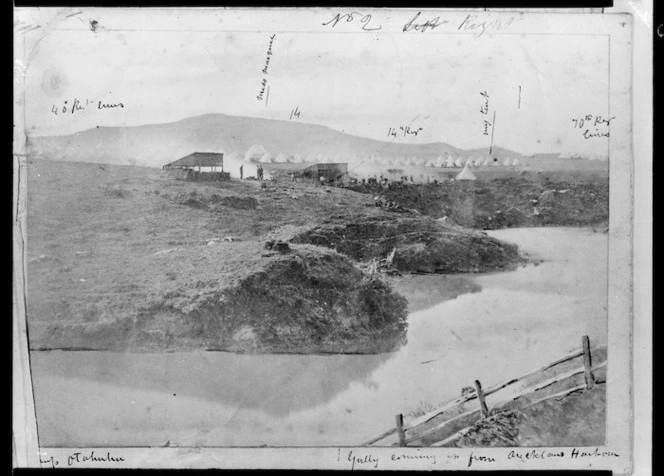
(361,84)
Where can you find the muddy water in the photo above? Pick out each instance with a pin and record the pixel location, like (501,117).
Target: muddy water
(488,327)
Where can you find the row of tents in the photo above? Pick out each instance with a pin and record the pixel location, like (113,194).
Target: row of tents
(449,162)
(258,154)
(473,162)
(582,156)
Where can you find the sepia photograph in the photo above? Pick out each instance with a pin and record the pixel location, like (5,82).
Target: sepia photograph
(327,229)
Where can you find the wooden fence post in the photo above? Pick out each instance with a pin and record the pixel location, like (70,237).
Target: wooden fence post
(587,363)
(400,432)
(480,396)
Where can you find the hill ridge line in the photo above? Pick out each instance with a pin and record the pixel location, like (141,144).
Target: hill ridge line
(253,118)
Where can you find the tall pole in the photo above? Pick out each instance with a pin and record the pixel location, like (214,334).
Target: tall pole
(493,128)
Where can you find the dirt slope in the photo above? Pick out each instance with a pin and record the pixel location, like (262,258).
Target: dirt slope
(578,419)
(528,200)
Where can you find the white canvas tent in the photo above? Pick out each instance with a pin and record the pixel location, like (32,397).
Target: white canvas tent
(265,159)
(255,153)
(449,162)
(280,159)
(466,174)
(458,162)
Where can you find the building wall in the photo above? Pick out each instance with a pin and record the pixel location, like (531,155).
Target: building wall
(332,172)
(211,176)
(196,168)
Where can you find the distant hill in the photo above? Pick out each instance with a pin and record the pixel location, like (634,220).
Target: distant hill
(158,144)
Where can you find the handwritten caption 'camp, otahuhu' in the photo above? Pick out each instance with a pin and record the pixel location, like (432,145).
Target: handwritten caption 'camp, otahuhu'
(79,106)
(81,458)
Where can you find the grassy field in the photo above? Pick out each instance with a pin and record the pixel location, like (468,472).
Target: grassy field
(123,257)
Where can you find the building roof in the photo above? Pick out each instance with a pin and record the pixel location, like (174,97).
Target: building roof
(202,159)
(325,165)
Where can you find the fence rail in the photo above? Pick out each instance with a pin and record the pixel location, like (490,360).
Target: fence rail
(453,419)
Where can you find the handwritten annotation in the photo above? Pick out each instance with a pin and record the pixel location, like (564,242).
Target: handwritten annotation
(574,453)
(590,121)
(484,109)
(422,27)
(77,458)
(365,20)
(261,95)
(367,460)
(477,24)
(77,106)
(295,113)
(471,23)
(404,131)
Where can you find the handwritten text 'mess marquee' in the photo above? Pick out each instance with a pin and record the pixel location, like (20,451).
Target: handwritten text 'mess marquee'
(473,23)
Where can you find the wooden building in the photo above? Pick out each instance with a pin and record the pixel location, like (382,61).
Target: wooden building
(333,173)
(199,166)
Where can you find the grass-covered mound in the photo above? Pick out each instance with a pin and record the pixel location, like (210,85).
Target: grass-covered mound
(307,300)
(420,244)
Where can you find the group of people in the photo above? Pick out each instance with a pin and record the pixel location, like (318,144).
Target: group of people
(259,172)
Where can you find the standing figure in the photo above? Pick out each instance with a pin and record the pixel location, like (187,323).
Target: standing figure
(241,171)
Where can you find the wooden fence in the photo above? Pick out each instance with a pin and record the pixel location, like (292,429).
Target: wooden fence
(572,373)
